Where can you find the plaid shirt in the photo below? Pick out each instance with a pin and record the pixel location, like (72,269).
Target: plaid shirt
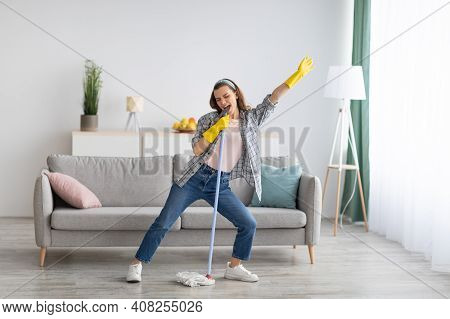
(249,164)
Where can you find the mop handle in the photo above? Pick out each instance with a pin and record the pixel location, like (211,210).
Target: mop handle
(216,200)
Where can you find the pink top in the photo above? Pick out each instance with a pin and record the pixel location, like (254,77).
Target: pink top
(232,148)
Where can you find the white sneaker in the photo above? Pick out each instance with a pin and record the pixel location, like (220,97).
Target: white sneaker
(134,273)
(240,273)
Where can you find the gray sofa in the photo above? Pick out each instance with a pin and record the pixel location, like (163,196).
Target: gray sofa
(133,192)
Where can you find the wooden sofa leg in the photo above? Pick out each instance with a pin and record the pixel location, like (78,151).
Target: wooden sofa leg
(42,256)
(311,253)
(295,246)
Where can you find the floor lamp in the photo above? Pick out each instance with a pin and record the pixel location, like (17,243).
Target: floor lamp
(345,83)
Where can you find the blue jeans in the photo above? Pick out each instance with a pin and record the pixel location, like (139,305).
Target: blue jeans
(202,185)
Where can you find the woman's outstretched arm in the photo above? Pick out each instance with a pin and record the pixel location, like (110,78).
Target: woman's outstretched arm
(278,93)
(305,66)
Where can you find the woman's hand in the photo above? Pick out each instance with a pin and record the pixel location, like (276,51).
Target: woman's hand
(305,66)
(211,134)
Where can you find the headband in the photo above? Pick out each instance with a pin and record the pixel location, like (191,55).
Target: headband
(228,82)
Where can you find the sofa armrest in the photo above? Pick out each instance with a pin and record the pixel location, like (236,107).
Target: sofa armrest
(309,200)
(43,208)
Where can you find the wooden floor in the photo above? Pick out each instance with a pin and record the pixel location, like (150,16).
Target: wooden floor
(354,264)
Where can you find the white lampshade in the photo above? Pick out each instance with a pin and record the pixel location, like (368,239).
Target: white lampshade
(345,82)
(135,104)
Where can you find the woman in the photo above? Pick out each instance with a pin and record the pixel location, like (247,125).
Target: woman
(198,181)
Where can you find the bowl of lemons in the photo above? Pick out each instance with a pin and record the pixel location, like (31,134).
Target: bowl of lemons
(185,125)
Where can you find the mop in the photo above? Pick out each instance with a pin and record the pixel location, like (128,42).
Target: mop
(194,279)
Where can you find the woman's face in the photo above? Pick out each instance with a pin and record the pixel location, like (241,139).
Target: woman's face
(226,97)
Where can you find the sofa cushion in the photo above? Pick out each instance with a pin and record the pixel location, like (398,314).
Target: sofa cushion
(119,181)
(279,186)
(107,218)
(72,191)
(201,218)
(242,190)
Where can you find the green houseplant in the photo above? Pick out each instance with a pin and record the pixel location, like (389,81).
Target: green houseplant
(92,84)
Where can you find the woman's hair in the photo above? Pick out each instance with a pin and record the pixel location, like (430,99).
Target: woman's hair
(241,103)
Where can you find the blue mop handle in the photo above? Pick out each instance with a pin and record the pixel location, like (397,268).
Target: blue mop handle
(216,200)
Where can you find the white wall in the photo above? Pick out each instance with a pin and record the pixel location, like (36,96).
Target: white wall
(171,52)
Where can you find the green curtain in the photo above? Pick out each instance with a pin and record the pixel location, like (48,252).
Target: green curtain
(360,115)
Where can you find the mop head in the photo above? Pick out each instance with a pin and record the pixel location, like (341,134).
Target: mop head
(194,279)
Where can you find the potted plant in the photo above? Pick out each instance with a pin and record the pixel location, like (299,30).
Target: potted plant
(92,85)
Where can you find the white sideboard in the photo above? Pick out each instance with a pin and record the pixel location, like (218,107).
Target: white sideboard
(106,143)
(146,143)
(165,142)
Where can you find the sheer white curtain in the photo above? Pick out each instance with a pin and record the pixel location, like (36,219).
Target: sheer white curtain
(409,148)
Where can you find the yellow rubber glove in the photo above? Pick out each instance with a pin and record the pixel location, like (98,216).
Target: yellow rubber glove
(305,66)
(211,134)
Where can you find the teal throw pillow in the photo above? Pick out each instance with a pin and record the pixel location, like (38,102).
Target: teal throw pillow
(279,187)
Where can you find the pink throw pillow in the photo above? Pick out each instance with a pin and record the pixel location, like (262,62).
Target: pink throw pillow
(72,191)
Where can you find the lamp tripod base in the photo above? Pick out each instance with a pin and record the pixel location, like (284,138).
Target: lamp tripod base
(132,122)
(344,114)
